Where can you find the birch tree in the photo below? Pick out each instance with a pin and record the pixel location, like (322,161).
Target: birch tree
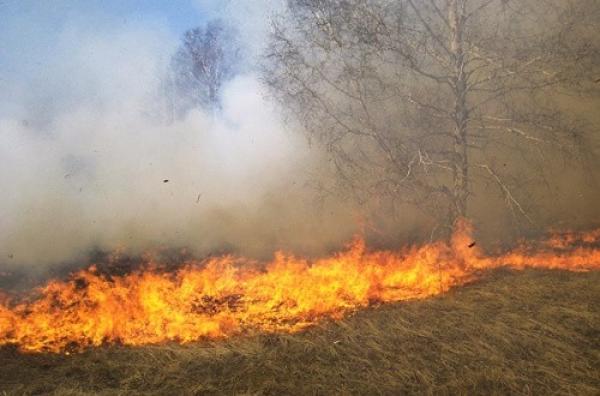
(207,58)
(429,102)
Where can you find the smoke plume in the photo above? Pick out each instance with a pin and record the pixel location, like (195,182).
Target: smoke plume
(88,160)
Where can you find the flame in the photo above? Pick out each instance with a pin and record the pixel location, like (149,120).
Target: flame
(223,296)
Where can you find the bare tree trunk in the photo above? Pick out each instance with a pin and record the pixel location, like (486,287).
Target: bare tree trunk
(460,116)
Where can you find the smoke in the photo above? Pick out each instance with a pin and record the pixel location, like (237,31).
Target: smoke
(88,162)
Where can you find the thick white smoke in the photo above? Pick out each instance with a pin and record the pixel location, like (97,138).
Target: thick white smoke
(87,159)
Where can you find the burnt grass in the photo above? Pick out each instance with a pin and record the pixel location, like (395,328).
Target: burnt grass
(513,332)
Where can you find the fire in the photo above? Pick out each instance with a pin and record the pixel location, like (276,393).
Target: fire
(224,296)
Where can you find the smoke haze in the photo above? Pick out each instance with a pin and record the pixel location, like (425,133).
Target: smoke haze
(88,161)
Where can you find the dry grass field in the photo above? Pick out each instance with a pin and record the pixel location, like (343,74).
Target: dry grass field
(513,332)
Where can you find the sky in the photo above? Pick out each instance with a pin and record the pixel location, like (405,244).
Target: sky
(32,32)
(35,34)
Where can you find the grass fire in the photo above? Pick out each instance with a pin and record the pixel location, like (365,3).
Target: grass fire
(224,296)
(300,197)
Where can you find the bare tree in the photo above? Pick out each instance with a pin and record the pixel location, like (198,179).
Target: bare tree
(208,57)
(429,102)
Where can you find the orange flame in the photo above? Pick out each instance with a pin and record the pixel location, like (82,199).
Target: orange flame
(223,296)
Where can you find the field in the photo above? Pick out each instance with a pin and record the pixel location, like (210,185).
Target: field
(513,332)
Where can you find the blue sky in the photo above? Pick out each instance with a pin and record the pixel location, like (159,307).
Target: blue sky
(30,29)
(42,42)
(34,34)
(52,15)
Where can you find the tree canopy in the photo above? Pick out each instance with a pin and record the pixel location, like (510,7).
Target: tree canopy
(208,57)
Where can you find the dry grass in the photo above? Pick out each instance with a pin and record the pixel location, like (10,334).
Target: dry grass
(531,332)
